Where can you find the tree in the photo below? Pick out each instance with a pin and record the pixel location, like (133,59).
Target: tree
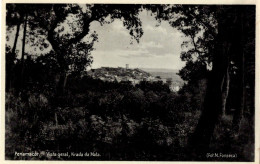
(17,15)
(215,32)
(57,15)
(244,60)
(23,46)
(54,20)
(230,21)
(13,18)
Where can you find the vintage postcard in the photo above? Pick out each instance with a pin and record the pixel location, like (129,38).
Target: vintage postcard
(99,81)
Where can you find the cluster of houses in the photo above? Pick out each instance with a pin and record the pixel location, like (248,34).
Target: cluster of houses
(135,76)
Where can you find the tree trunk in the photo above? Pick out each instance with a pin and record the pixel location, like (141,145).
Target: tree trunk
(60,86)
(16,37)
(225,92)
(60,59)
(23,50)
(56,119)
(65,81)
(24,37)
(63,71)
(212,107)
(10,62)
(211,111)
(238,115)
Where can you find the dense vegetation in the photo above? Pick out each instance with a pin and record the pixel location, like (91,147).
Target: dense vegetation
(118,120)
(52,105)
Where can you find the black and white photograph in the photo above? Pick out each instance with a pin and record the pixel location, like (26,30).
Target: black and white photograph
(129,82)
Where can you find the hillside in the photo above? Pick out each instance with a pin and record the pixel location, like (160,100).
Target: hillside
(120,74)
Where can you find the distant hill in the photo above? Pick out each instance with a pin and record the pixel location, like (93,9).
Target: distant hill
(120,74)
(119,71)
(165,73)
(159,70)
(135,75)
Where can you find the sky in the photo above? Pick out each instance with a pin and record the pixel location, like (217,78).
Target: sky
(159,47)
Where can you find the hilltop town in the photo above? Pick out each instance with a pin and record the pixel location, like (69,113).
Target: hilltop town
(135,76)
